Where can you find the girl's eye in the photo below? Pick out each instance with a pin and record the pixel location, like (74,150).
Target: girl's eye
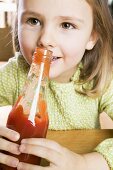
(67,25)
(33,21)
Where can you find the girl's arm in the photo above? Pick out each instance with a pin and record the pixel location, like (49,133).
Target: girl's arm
(105,121)
(95,161)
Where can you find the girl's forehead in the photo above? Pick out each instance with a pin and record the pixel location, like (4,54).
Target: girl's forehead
(56,6)
(54,3)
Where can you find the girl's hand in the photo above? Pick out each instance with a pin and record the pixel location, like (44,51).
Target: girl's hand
(6,145)
(59,157)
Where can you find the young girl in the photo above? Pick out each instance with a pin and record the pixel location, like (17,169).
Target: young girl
(79,33)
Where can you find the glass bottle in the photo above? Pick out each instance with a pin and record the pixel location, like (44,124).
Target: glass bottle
(29,115)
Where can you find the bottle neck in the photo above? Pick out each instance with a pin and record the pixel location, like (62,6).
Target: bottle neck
(35,87)
(40,68)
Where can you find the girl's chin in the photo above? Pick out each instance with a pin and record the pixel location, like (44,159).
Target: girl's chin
(54,77)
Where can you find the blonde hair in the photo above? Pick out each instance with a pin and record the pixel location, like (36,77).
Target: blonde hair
(98,62)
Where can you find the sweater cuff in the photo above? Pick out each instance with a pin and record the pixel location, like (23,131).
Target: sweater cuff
(105,148)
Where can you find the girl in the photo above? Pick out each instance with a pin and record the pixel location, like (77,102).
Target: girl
(78,32)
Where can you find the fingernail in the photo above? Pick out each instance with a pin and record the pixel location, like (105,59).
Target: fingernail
(16,136)
(22,148)
(19,167)
(14,163)
(23,141)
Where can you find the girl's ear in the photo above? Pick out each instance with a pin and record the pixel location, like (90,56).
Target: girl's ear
(92,41)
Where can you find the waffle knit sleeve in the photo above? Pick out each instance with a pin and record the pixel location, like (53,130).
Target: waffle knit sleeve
(12,79)
(105,148)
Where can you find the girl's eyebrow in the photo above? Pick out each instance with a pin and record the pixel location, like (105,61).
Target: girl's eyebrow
(71,18)
(25,13)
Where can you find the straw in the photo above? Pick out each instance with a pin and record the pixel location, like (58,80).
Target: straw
(36,97)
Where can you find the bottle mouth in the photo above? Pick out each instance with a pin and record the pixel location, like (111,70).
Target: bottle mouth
(41,54)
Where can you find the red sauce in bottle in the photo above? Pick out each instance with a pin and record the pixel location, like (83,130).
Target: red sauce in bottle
(19,122)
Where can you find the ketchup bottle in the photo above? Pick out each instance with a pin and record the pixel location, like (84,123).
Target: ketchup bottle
(29,115)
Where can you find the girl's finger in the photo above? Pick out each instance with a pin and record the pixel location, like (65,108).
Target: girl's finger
(41,151)
(9,146)
(9,134)
(44,142)
(24,166)
(8,160)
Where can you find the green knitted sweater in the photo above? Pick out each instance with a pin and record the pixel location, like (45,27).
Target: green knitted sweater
(66,107)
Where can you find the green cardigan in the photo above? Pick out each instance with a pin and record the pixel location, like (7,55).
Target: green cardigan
(67,108)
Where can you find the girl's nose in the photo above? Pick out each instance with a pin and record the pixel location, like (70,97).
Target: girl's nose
(46,39)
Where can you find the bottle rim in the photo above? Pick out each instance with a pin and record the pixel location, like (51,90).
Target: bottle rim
(41,54)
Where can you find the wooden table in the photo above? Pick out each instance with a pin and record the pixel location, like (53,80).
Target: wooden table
(79,141)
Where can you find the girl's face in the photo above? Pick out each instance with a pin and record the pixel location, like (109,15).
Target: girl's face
(62,26)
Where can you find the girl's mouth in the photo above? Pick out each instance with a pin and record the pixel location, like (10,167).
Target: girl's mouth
(54,58)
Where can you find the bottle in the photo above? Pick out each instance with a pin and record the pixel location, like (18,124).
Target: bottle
(29,115)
